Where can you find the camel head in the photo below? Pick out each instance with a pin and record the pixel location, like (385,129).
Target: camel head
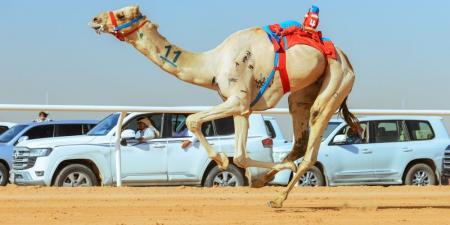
(104,22)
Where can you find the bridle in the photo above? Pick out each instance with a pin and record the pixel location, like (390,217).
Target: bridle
(121,35)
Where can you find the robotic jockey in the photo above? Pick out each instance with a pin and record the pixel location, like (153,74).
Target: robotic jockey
(311,21)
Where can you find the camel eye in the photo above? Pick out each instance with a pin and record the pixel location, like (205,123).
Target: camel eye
(120,16)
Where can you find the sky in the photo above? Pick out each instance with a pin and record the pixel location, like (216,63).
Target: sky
(49,54)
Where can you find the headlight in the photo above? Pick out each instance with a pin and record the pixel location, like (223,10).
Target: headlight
(40,152)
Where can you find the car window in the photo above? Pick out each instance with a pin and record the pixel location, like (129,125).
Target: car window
(178,125)
(224,126)
(87,128)
(353,138)
(179,129)
(270,130)
(62,130)
(3,129)
(330,128)
(155,119)
(389,131)
(44,131)
(106,125)
(208,129)
(420,130)
(11,133)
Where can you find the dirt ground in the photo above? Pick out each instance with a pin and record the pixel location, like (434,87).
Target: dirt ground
(190,205)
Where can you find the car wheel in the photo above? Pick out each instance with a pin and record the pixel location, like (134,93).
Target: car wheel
(232,177)
(420,175)
(75,175)
(4,175)
(312,178)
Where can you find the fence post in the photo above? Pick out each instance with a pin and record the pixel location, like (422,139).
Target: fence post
(118,155)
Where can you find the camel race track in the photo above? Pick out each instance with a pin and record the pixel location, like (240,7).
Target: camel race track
(191,205)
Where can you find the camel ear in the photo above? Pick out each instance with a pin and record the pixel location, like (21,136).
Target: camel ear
(136,10)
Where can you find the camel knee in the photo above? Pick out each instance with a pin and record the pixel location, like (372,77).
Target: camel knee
(240,161)
(193,124)
(308,163)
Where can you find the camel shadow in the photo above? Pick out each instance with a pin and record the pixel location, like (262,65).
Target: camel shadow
(338,208)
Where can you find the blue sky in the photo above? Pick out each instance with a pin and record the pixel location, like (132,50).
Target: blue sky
(398,49)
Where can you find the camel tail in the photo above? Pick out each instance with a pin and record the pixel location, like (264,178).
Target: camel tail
(343,111)
(349,118)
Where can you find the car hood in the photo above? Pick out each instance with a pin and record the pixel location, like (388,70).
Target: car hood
(4,145)
(59,141)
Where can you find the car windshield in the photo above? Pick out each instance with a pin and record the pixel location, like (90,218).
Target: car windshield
(104,126)
(330,128)
(11,133)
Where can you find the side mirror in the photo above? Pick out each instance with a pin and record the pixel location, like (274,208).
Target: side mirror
(128,134)
(340,139)
(23,138)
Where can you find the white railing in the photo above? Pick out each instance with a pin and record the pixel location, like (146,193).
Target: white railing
(193,109)
(184,109)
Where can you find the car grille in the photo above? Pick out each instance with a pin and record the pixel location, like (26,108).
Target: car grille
(446,162)
(21,159)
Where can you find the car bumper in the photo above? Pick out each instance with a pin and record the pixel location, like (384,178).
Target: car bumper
(25,178)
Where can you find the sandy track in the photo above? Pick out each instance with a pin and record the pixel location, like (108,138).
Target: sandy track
(187,205)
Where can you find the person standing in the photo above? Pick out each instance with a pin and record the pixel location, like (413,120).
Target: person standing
(43,117)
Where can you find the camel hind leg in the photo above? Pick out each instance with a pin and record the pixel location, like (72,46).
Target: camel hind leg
(331,97)
(300,103)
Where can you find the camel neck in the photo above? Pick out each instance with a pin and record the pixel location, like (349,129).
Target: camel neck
(190,67)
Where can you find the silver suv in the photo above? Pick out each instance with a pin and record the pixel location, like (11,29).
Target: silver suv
(392,150)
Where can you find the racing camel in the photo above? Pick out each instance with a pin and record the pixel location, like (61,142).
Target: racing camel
(239,69)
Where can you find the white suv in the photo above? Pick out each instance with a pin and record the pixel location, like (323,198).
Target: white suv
(393,150)
(89,160)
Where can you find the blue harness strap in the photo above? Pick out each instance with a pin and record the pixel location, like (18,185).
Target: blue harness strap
(129,23)
(272,36)
(268,81)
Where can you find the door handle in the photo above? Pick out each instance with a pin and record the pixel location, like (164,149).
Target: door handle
(366,151)
(159,146)
(406,149)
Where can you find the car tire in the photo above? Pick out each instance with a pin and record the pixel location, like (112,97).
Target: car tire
(232,177)
(420,175)
(4,175)
(75,175)
(312,178)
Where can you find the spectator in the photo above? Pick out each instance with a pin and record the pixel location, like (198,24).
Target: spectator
(146,131)
(192,140)
(43,117)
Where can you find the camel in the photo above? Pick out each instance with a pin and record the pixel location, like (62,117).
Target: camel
(319,87)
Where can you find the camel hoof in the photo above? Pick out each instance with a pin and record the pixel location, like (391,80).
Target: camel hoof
(278,202)
(257,181)
(225,162)
(275,205)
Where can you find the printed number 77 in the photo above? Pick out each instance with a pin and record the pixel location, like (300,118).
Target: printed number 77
(177,53)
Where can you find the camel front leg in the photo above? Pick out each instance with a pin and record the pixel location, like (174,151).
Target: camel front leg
(230,107)
(330,98)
